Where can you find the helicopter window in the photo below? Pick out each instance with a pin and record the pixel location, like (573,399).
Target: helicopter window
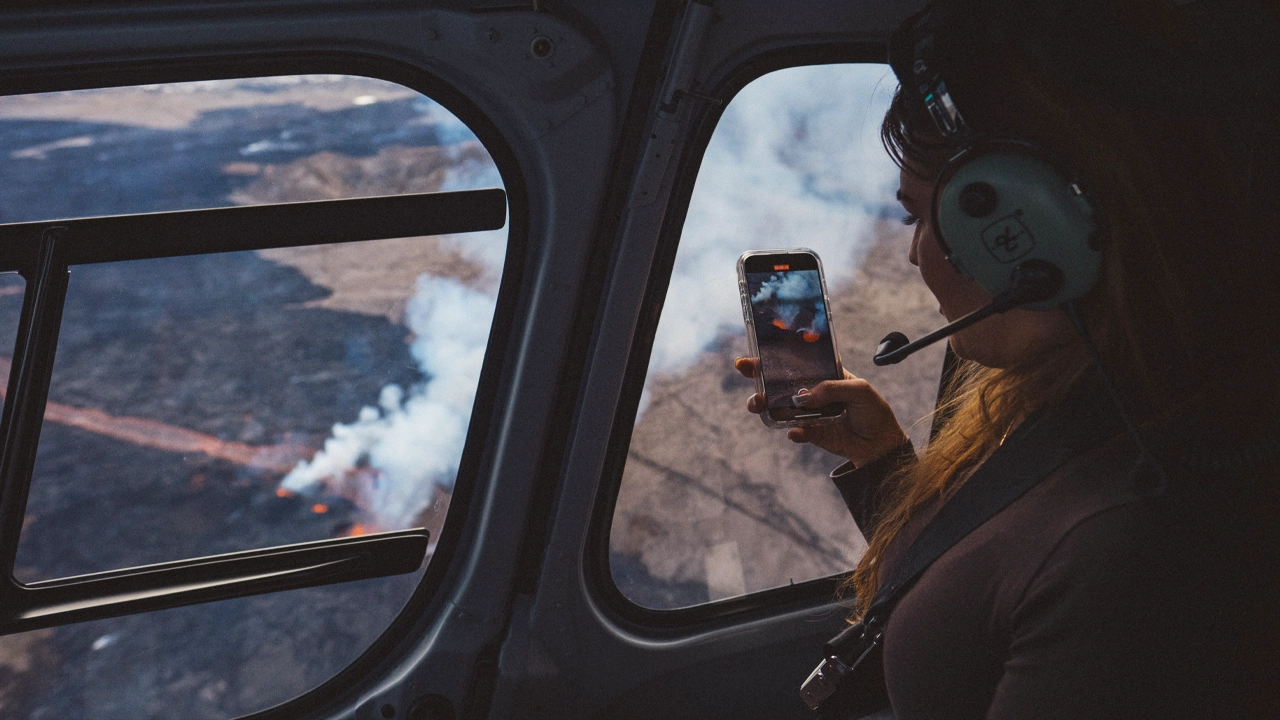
(236,379)
(713,504)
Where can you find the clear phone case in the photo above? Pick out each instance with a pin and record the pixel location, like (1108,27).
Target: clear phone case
(754,347)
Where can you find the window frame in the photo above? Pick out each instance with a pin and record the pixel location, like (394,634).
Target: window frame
(678,622)
(44,251)
(426,601)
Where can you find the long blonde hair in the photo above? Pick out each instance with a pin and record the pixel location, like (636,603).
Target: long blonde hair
(983,404)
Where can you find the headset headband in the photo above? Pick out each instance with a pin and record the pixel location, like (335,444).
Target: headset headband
(915,58)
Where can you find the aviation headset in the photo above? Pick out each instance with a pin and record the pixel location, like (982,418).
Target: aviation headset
(1000,203)
(1008,214)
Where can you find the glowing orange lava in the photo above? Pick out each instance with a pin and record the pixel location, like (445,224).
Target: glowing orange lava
(810,336)
(779,324)
(357,530)
(162,436)
(319,508)
(282,493)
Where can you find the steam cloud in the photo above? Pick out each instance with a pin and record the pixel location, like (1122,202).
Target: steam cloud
(415,441)
(412,442)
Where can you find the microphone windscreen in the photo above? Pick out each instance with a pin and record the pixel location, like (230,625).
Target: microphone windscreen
(891,342)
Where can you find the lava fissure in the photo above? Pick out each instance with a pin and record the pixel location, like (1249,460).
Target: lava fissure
(163,436)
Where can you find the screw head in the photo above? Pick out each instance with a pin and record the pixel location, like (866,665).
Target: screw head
(542,47)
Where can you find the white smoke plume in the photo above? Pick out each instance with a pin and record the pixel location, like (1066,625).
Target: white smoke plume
(395,455)
(415,442)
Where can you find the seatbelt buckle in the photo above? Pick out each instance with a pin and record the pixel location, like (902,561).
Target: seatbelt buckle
(823,682)
(845,652)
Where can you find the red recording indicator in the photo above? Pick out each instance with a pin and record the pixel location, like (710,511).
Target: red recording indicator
(781,267)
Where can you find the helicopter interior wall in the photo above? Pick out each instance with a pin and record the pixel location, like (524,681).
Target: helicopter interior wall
(677,662)
(524,633)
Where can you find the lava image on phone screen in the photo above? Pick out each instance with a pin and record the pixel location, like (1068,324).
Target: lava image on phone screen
(793,337)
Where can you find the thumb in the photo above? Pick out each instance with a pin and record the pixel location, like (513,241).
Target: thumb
(851,391)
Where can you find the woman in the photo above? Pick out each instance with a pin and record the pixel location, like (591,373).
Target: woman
(1137,576)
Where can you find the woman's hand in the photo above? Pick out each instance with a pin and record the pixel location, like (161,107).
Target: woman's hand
(866,430)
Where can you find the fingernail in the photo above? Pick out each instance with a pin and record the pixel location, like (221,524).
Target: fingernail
(802,398)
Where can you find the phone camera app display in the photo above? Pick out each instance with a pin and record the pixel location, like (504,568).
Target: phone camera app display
(792,334)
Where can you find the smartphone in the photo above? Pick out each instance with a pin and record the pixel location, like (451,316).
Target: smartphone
(785,305)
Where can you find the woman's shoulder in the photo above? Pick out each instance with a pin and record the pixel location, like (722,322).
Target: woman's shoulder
(1086,517)
(1113,548)
(996,562)
(1097,482)
(1112,502)
(1169,593)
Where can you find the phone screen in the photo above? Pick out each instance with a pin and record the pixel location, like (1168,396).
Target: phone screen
(792,330)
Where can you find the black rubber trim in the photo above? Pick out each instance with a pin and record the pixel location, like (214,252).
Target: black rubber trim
(219,577)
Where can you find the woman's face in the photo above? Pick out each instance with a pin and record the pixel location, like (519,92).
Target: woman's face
(998,341)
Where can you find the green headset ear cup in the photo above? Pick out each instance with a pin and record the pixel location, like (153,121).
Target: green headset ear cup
(1037,214)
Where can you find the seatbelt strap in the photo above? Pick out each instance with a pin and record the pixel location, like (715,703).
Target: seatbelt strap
(1040,445)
